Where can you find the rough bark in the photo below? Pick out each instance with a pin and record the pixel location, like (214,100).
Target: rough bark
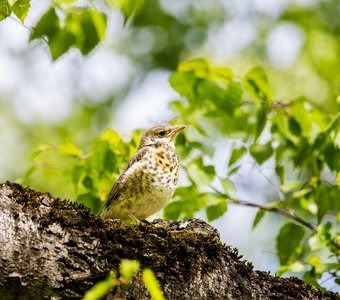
(52,248)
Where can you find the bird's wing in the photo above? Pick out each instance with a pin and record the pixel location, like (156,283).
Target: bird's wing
(117,187)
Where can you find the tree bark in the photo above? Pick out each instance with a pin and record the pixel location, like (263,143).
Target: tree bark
(56,249)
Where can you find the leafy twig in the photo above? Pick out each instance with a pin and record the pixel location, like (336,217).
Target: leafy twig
(276,210)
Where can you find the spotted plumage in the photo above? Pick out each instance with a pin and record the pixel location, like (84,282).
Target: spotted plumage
(149,179)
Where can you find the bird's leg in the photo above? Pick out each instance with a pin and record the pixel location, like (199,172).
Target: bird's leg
(132,216)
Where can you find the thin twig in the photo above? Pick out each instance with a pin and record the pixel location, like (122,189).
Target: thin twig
(275,210)
(267,208)
(29,28)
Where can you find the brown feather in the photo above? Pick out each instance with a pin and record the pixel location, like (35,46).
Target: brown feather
(117,187)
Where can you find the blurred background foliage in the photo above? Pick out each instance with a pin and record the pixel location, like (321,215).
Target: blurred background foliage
(266,137)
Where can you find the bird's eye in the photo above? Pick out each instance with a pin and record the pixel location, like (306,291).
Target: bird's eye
(162,133)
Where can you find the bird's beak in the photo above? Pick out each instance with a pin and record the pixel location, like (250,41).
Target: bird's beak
(175,130)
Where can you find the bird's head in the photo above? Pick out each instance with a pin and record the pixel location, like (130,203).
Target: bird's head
(160,134)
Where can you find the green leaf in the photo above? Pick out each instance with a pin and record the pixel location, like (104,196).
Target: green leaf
(5,9)
(233,170)
(48,25)
(99,20)
(227,185)
(69,148)
(259,215)
(221,74)
(199,67)
(288,242)
(312,277)
(21,8)
(183,83)
(301,117)
(152,285)
(201,174)
(327,200)
(129,8)
(100,289)
(188,200)
(76,174)
(331,154)
(93,24)
(261,152)
(41,149)
(232,97)
(63,4)
(294,127)
(257,85)
(217,210)
(280,171)
(212,91)
(173,210)
(128,269)
(261,120)
(236,155)
(61,43)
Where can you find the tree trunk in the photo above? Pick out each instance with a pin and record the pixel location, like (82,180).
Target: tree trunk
(56,249)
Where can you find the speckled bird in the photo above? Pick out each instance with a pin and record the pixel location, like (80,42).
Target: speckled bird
(149,179)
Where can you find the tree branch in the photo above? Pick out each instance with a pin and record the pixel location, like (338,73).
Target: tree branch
(276,210)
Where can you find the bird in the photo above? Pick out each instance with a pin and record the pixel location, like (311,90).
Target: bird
(149,179)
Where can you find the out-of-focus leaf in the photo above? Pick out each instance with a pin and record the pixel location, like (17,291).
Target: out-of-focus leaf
(40,150)
(217,210)
(128,269)
(199,67)
(28,173)
(294,127)
(201,174)
(259,215)
(61,43)
(301,117)
(312,278)
(257,84)
(332,157)
(327,200)
(152,285)
(93,24)
(5,9)
(76,173)
(261,152)
(288,242)
(212,91)
(21,8)
(69,148)
(100,289)
(233,170)
(224,75)
(127,7)
(261,120)
(296,267)
(63,3)
(188,200)
(232,97)
(280,171)
(183,83)
(236,155)
(227,185)
(48,25)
